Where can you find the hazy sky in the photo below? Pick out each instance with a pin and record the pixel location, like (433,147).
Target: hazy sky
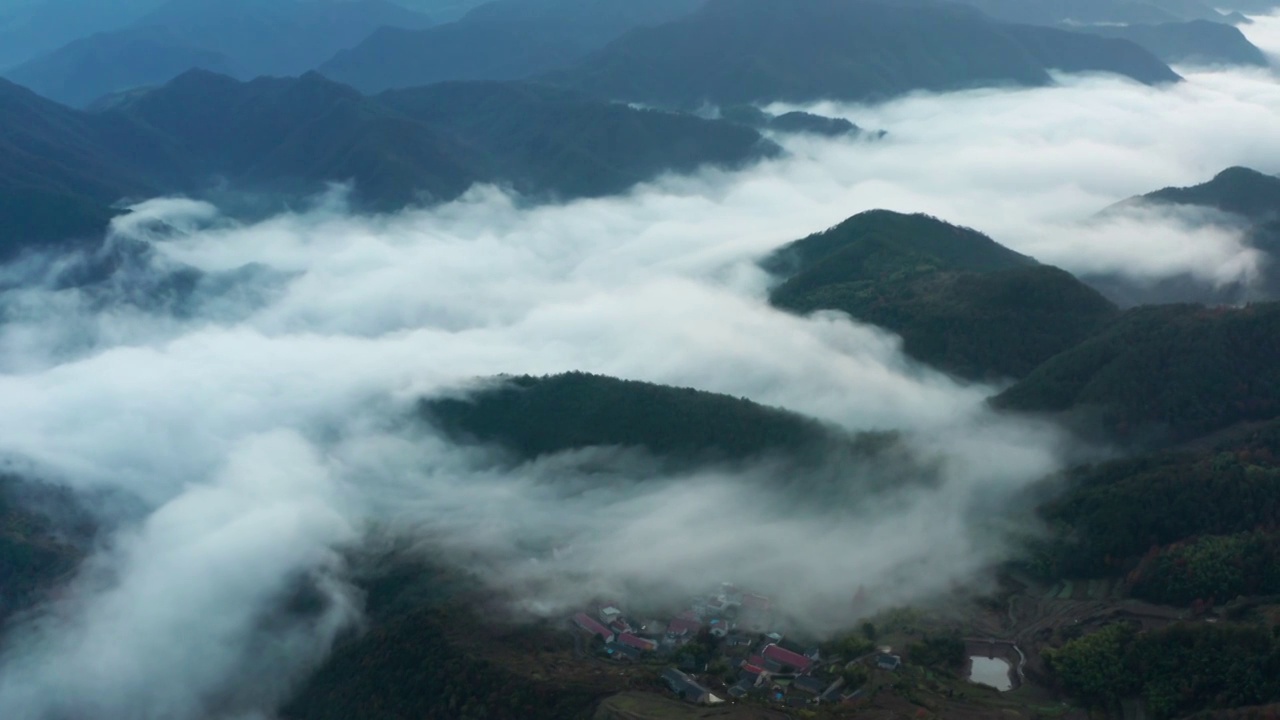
(257,426)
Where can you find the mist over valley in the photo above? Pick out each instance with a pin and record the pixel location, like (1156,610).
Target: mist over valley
(566,359)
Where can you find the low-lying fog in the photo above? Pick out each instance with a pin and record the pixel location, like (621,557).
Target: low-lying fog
(260,422)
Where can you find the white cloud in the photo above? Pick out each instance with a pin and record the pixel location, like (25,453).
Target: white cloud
(253,423)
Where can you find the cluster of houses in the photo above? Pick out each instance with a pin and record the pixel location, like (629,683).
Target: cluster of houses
(763,664)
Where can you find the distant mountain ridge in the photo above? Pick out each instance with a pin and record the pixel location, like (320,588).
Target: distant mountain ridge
(734,52)
(1196,42)
(1238,198)
(242,38)
(1099,12)
(961,301)
(1242,191)
(290,136)
(502,40)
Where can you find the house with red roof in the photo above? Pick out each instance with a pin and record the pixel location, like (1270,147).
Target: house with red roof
(637,642)
(787,658)
(586,622)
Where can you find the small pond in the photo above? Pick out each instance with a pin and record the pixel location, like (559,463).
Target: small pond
(993,672)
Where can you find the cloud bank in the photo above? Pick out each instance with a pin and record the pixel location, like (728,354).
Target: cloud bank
(247,383)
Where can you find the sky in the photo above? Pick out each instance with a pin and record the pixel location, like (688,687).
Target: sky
(260,425)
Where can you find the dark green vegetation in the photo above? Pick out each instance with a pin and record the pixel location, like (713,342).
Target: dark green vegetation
(41,531)
(428,656)
(961,301)
(945,652)
(1176,371)
(505,40)
(1132,516)
(1176,671)
(792,122)
(1209,568)
(62,169)
(532,416)
(1197,42)
(244,38)
(742,51)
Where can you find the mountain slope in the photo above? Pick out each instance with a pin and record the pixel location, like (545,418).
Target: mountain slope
(1201,42)
(88,69)
(1179,371)
(1240,199)
(242,38)
(744,51)
(504,40)
(60,170)
(63,169)
(546,140)
(428,143)
(961,301)
(43,531)
(1238,190)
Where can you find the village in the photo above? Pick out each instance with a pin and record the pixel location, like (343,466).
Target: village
(724,648)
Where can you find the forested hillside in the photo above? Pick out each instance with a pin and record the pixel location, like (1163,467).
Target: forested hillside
(1171,372)
(1177,671)
(1114,514)
(288,137)
(961,301)
(532,416)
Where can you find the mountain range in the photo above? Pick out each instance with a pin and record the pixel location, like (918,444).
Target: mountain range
(242,38)
(288,137)
(746,51)
(502,40)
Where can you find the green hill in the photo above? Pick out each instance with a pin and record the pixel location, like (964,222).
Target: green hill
(961,301)
(532,417)
(745,51)
(1179,370)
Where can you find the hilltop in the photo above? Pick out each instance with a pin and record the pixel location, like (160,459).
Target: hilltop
(1238,190)
(531,417)
(1238,199)
(961,301)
